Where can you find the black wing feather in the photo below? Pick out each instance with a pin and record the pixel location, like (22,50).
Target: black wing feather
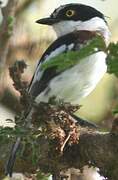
(39,83)
(39,86)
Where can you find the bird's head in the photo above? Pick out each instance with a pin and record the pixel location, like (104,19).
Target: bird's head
(74,17)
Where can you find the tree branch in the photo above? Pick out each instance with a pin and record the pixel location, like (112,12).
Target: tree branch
(6,29)
(96,149)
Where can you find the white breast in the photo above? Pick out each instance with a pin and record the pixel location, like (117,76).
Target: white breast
(77,82)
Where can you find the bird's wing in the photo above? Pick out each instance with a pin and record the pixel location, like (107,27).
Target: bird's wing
(41,78)
(54,57)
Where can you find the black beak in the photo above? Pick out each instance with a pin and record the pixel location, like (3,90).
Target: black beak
(47,21)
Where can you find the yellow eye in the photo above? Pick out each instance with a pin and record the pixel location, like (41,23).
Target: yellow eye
(70,13)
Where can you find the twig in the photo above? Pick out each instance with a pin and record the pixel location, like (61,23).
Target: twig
(66,140)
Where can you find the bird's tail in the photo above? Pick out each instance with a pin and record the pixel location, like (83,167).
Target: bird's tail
(10,163)
(12,157)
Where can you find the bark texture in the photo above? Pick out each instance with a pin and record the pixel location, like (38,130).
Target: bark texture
(93,149)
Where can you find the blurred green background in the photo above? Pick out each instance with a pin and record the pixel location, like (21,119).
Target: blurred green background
(30,40)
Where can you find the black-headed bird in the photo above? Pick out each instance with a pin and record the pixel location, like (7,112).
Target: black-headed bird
(75,25)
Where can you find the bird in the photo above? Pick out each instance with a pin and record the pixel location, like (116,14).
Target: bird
(75,26)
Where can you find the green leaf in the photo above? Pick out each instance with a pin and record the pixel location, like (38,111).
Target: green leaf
(10,21)
(68,60)
(115,111)
(112,59)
